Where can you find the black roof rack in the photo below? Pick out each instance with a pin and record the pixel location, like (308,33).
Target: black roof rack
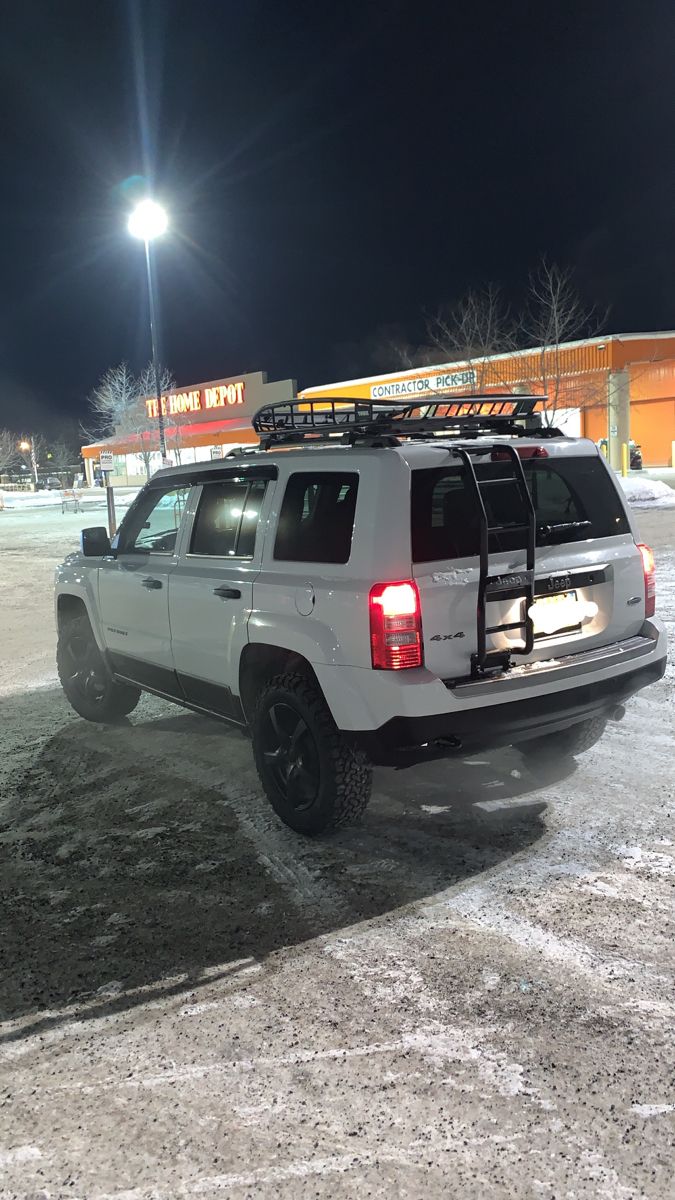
(383,422)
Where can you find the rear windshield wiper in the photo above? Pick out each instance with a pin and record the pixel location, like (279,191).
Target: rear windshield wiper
(546,532)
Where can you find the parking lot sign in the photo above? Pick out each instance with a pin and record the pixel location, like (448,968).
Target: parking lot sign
(105,459)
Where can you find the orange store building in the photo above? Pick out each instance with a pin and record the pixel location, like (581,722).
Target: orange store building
(620,387)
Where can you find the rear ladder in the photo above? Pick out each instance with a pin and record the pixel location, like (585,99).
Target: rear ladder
(518,585)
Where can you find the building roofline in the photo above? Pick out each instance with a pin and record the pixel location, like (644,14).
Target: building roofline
(430,368)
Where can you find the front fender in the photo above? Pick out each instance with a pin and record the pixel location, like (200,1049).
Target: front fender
(77,577)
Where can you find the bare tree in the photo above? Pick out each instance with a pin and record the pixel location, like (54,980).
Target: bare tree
(8,450)
(479,333)
(466,332)
(118,406)
(113,402)
(62,456)
(147,390)
(556,314)
(390,348)
(472,331)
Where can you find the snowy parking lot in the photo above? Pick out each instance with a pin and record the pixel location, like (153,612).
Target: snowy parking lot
(470,994)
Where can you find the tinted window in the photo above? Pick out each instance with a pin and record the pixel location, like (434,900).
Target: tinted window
(227,519)
(153,524)
(317,517)
(573,497)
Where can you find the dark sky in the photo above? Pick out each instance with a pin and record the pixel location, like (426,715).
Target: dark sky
(330,168)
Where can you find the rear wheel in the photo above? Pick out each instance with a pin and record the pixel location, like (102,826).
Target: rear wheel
(84,677)
(566,743)
(313,779)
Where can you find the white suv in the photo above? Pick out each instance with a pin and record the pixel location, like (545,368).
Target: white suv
(376,584)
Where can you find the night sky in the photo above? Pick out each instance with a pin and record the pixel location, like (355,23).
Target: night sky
(330,168)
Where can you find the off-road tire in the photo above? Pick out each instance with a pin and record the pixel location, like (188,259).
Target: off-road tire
(568,743)
(91,690)
(344,774)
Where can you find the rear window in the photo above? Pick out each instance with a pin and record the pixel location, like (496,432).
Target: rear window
(573,497)
(317,517)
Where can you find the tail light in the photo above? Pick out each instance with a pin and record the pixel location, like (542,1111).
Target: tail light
(649,568)
(395,626)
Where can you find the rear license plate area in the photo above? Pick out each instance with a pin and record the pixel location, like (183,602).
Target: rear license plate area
(556,614)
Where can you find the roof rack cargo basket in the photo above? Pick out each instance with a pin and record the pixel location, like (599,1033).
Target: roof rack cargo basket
(382,423)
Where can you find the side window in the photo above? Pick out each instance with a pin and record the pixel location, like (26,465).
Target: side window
(553,498)
(444,518)
(227,519)
(317,517)
(154,524)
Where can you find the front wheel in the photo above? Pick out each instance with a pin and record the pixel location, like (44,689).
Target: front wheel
(313,779)
(566,743)
(84,678)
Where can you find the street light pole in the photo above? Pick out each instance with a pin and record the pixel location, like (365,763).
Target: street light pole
(155,359)
(30,445)
(148,221)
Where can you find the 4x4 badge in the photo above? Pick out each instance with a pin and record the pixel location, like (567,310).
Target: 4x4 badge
(445,637)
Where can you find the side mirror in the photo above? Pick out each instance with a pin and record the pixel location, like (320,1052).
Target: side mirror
(95,542)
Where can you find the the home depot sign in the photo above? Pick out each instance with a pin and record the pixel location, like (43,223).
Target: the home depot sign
(222,395)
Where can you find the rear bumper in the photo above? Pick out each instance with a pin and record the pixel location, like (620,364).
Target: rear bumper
(404,741)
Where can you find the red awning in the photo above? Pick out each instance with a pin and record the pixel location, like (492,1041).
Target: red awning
(198,433)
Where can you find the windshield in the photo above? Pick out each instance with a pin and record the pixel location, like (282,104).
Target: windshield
(573,497)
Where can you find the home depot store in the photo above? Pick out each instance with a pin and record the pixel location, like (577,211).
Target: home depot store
(201,422)
(621,387)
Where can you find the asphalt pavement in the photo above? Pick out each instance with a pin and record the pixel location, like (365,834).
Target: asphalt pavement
(470,994)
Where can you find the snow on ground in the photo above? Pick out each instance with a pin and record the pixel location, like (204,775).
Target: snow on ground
(88,497)
(471,993)
(644,491)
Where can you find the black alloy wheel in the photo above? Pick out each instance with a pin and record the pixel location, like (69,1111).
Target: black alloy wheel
(314,779)
(291,755)
(88,685)
(83,665)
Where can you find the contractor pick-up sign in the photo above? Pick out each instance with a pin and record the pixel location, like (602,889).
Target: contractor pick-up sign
(443,382)
(223,395)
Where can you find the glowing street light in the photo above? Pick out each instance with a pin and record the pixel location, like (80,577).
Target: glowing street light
(147,222)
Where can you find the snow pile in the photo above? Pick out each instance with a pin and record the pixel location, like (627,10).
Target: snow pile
(29,499)
(647,491)
(88,497)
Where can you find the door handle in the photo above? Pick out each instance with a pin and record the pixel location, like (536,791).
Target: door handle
(150,583)
(227,593)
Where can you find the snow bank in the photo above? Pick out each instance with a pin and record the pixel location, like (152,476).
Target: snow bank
(89,498)
(646,491)
(29,499)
